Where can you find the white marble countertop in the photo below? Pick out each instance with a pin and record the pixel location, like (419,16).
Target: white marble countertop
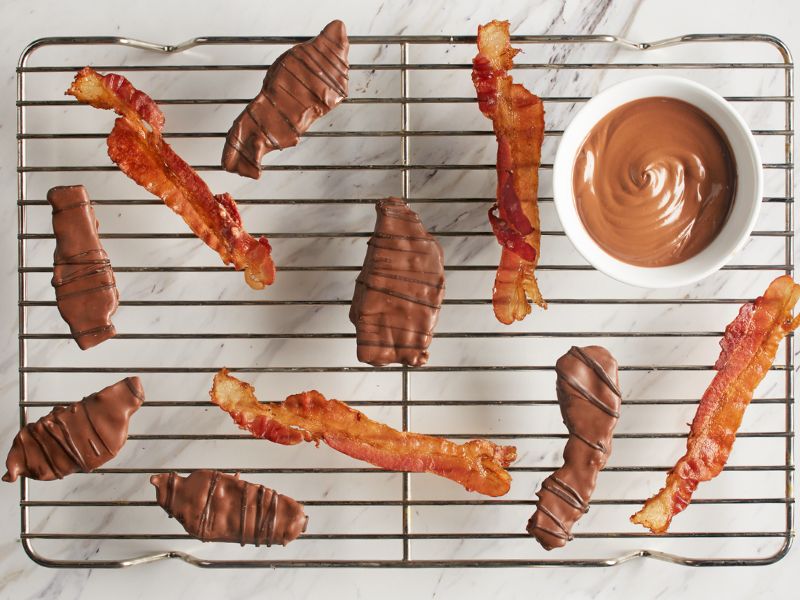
(170,21)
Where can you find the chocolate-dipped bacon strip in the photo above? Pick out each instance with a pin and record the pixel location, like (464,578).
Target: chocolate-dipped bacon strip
(76,438)
(216,507)
(303,84)
(589,396)
(86,292)
(400,289)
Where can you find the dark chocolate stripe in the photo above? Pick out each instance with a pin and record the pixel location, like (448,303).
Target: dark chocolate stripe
(249,112)
(394,294)
(92,426)
(282,114)
(70,207)
(578,387)
(97,288)
(563,534)
(334,46)
(564,491)
(596,446)
(243,513)
(273,518)
(70,442)
(235,143)
(387,275)
(325,81)
(48,428)
(332,82)
(259,516)
(32,431)
(92,331)
(205,515)
(597,368)
(314,94)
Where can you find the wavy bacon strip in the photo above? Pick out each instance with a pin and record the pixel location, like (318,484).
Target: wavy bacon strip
(478,465)
(138,148)
(518,119)
(748,350)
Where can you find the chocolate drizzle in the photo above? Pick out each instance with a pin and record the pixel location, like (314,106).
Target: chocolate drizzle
(590,399)
(76,438)
(86,292)
(215,507)
(303,84)
(399,290)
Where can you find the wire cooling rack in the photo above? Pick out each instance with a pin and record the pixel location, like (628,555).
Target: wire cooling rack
(410,128)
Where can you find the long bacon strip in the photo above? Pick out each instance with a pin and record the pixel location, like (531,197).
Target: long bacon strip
(478,465)
(748,350)
(136,145)
(518,119)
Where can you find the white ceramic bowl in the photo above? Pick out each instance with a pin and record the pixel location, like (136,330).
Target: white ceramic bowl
(746,204)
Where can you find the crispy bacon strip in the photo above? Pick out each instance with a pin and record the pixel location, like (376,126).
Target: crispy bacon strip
(138,148)
(518,119)
(478,465)
(748,350)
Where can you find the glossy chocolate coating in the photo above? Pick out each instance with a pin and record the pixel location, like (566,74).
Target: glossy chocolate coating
(86,292)
(76,438)
(400,289)
(216,507)
(303,84)
(589,396)
(654,181)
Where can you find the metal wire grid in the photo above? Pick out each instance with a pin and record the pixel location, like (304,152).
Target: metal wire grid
(406,503)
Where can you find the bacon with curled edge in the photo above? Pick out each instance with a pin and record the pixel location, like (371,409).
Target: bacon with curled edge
(136,145)
(518,119)
(748,350)
(478,465)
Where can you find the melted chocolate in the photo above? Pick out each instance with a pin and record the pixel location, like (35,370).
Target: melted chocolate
(400,289)
(76,438)
(215,507)
(654,181)
(86,293)
(303,84)
(589,396)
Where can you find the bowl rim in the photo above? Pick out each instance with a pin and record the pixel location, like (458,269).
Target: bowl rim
(748,162)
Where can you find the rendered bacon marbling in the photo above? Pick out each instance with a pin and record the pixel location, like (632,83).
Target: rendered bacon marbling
(748,350)
(138,148)
(478,465)
(518,119)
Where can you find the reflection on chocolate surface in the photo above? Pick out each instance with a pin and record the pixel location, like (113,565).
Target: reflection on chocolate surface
(216,507)
(589,396)
(76,438)
(400,289)
(303,84)
(654,181)
(86,293)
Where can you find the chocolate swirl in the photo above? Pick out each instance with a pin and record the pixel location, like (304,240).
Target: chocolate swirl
(76,438)
(654,181)
(215,507)
(86,292)
(589,397)
(303,84)
(400,289)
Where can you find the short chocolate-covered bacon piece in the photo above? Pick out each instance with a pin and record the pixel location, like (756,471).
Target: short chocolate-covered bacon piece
(303,84)
(478,465)
(589,397)
(76,438)
(213,506)
(400,289)
(86,292)
(137,146)
(748,351)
